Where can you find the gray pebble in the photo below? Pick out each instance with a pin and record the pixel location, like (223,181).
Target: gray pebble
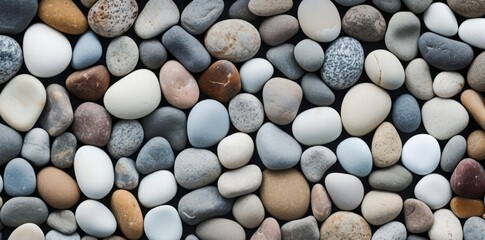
(63,221)
(63,150)
(474,228)
(152,53)
(278,29)
(402,35)
(169,123)
(207,124)
(394,179)
(11,58)
(283,58)
(10,144)
(240,10)
(453,152)
(309,55)
(417,6)
(315,161)
(246,112)
(305,228)
(281,100)
(390,231)
(195,168)
(349,3)
(15,16)
(87,51)
(126,175)
(316,91)
(199,15)
(155,155)
(418,79)
(445,53)
(19,178)
(156,17)
(415,237)
(406,114)
(388,6)
(121,56)
(57,115)
(36,147)
(19,210)
(55,235)
(126,138)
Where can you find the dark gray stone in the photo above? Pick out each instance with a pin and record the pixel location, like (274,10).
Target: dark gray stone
(349,3)
(199,15)
(316,91)
(19,210)
(63,221)
(283,58)
(126,175)
(57,115)
(240,10)
(155,155)
(15,16)
(169,123)
(474,229)
(55,235)
(395,178)
(246,112)
(406,114)
(390,231)
(11,58)
(444,53)
(207,124)
(152,53)
(19,178)
(388,6)
(36,147)
(126,138)
(305,228)
(195,168)
(453,153)
(315,161)
(63,150)
(10,144)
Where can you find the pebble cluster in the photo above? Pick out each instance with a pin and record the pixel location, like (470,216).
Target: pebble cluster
(247,119)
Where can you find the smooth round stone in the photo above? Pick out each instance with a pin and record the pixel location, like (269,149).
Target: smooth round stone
(195,168)
(418,79)
(285,194)
(317,126)
(355,156)
(87,51)
(343,64)
(406,114)
(471,33)
(434,190)
(36,147)
(63,15)
(111,19)
(475,145)
(277,155)
(10,144)
(388,6)
(19,178)
(269,8)
(94,171)
(474,102)
(233,39)
(305,228)
(203,203)
(321,204)
(157,188)
(220,228)
(27,231)
(55,235)
(403,31)
(283,58)
(127,213)
(345,225)
(319,20)
(345,190)
(384,69)
(475,73)
(12,58)
(467,207)
(468,179)
(57,188)
(89,84)
(418,216)
(121,56)
(269,229)
(62,221)
(446,226)
(95,219)
(126,138)
(444,118)
(19,210)
(255,73)
(152,53)
(63,149)
(278,29)
(248,211)
(156,17)
(309,55)
(169,123)
(281,98)
(439,18)
(220,81)
(448,84)
(246,112)
(22,101)
(199,15)
(240,10)
(386,145)
(379,207)
(92,124)
(453,153)
(16,15)
(207,124)
(451,55)
(315,161)
(474,228)
(155,155)
(178,85)
(470,9)
(392,230)
(316,91)
(47,52)
(421,154)
(395,179)
(57,115)
(364,107)
(235,150)
(241,181)
(126,175)
(364,22)
(417,6)
(186,49)
(163,222)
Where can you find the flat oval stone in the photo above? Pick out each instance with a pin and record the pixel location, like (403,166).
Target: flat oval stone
(315,161)
(402,35)
(246,112)
(309,55)
(111,19)
(444,118)
(467,207)
(240,10)
(418,79)
(126,138)
(169,123)
(384,69)
(57,188)
(269,8)
(343,64)
(421,154)
(320,203)
(418,216)
(255,73)
(379,207)
(345,190)
(12,58)
(386,145)
(195,168)
(317,126)
(269,229)
(36,147)
(475,145)
(152,53)
(233,39)
(92,124)
(178,85)
(475,73)
(355,156)
(19,178)
(393,229)
(434,190)
(126,175)
(448,84)
(163,222)
(444,53)
(220,81)
(199,15)
(278,29)
(395,178)
(121,56)
(365,23)
(470,32)
(305,228)
(281,99)
(87,51)
(241,181)
(207,124)
(62,221)
(10,144)
(445,224)
(27,231)
(155,155)
(235,150)
(63,15)
(470,9)
(220,228)
(157,188)
(89,84)
(319,20)
(468,179)
(95,219)
(474,228)
(57,115)
(283,58)
(156,17)
(316,91)
(345,225)
(417,6)
(63,149)
(17,15)
(19,210)
(94,172)
(248,210)
(127,213)
(453,153)
(406,114)
(439,19)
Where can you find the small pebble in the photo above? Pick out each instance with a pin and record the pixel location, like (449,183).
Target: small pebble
(448,84)
(283,58)
(474,228)
(364,22)
(178,85)
(63,150)
(195,168)
(316,91)
(269,229)
(207,123)
(317,126)
(155,155)
(89,84)
(127,213)
(126,138)
(446,226)
(421,154)
(94,172)
(395,178)
(278,29)
(392,230)
(248,210)
(241,181)
(199,15)
(379,207)
(315,161)
(418,217)
(321,204)
(418,79)
(157,188)
(319,20)
(309,55)
(451,55)
(355,156)
(12,58)
(19,210)
(111,19)
(36,147)
(345,225)
(62,221)
(156,17)
(220,228)
(281,100)
(403,31)
(235,150)
(169,123)
(220,81)
(386,146)
(92,124)
(57,115)
(152,53)
(240,10)
(126,175)
(255,73)
(55,235)
(305,228)
(95,219)
(246,112)
(163,222)
(470,9)
(345,190)
(406,114)
(453,153)
(19,178)
(467,207)
(434,190)
(87,51)
(121,56)
(57,188)
(417,6)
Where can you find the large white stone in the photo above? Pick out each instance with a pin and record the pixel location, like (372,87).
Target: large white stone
(421,154)
(384,69)
(157,188)
(163,222)
(317,126)
(235,150)
(319,20)
(472,32)
(94,171)
(255,73)
(434,190)
(439,18)
(444,118)
(445,226)
(95,219)
(28,231)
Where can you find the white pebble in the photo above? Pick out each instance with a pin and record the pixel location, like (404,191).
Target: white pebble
(317,126)
(439,18)
(421,154)
(157,188)
(94,171)
(255,73)
(163,222)
(434,190)
(472,32)
(235,150)
(95,219)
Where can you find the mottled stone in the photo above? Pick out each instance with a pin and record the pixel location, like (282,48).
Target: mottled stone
(195,168)
(199,15)
(365,23)
(283,58)
(417,216)
(112,18)
(281,98)
(169,123)
(155,155)
(220,81)
(315,161)
(474,228)
(126,138)
(11,57)
(345,225)
(63,150)
(246,112)
(57,115)
(470,9)
(126,175)
(122,56)
(92,124)
(89,84)
(392,230)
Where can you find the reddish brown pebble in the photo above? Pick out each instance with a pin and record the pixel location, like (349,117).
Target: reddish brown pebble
(220,81)
(89,84)
(418,217)
(474,102)
(57,188)
(466,207)
(128,214)
(268,230)
(475,145)
(468,179)
(320,202)
(63,15)
(92,124)
(178,85)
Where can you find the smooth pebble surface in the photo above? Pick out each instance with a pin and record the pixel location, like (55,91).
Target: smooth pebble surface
(242,119)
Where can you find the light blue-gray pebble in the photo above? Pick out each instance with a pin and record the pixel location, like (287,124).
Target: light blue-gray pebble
(207,124)
(152,53)
(55,235)
(169,123)
(315,161)
(452,153)
(126,175)
(126,138)
(10,144)
(283,58)
(155,155)
(11,58)
(195,168)
(316,91)
(474,229)
(199,15)
(36,147)
(19,178)
(355,156)
(87,52)
(406,114)
(391,231)
(309,55)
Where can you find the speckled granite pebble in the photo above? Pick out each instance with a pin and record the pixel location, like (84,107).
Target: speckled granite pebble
(195,168)
(121,56)
(365,23)
(246,112)
(11,58)
(111,19)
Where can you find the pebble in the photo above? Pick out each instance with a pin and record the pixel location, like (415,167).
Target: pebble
(16,15)
(384,69)
(36,147)
(285,194)
(42,42)
(199,15)
(235,150)
(345,190)
(309,55)
(62,221)
(186,49)
(134,96)
(319,20)
(19,210)
(421,154)
(234,40)
(343,64)
(474,228)
(10,144)
(248,210)
(470,9)
(345,225)
(95,219)
(169,123)
(126,138)
(157,188)
(277,155)
(387,6)
(126,175)
(240,181)
(191,237)
(255,73)
(163,222)
(278,29)
(364,22)
(418,79)
(418,216)
(156,17)
(305,228)
(27,231)
(321,205)
(152,54)
(386,146)
(448,84)
(195,168)
(317,126)
(220,81)
(269,8)
(207,124)
(417,6)
(349,3)
(444,118)
(434,190)
(12,58)
(364,107)
(439,19)
(355,156)
(240,10)
(178,85)
(379,207)
(63,149)
(127,213)
(121,56)
(57,188)
(453,153)
(403,31)
(392,230)
(415,237)
(109,19)
(94,172)
(468,179)
(283,58)
(87,51)
(203,203)
(19,178)
(475,145)
(246,112)
(281,99)
(395,178)
(92,124)
(444,53)
(445,226)
(315,161)
(55,235)
(467,207)
(475,73)
(155,155)
(316,91)
(470,32)
(89,84)
(57,115)
(269,229)
(220,228)
(63,15)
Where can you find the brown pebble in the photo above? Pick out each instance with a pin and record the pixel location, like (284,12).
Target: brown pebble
(476,73)
(345,225)
(320,202)
(475,145)
(178,85)
(364,23)
(468,179)
(92,124)
(278,29)
(466,207)
(468,8)
(474,102)
(386,146)
(268,230)
(418,217)
(89,84)
(63,15)
(220,81)
(128,214)
(57,188)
